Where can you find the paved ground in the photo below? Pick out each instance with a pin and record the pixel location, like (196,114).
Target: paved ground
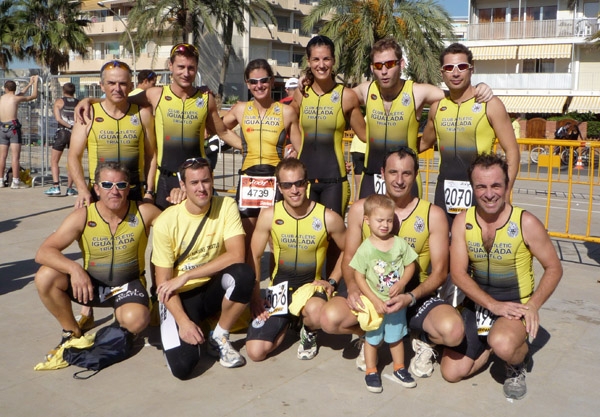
(563,380)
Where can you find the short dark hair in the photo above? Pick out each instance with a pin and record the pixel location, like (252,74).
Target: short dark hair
(402,152)
(111,166)
(10,85)
(376,201)
(456,48)
(69,89)
(488,160)
(384,45)
(184,49)
(258,64)
(290,164)
(194,164)
(144,75)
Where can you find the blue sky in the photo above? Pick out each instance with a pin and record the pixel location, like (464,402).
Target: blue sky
(455,7)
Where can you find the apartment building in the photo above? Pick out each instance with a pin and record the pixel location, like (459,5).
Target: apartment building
(535,53)
(282,44)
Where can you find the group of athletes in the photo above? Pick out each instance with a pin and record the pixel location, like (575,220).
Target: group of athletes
(147,168)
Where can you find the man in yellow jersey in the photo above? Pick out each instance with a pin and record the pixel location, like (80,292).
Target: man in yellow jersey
(146,79)
(300,231)
(393,111)
(493,245)
(424,227)
(198,254)
(464,129)
(112,234)
(117,132)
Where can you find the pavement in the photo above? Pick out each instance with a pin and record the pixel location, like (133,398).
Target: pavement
(563,380)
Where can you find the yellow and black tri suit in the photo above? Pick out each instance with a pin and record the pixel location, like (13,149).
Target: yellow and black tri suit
(414,229)
(117,140)
(463,131)
(180,126)
(505,272)
(388,131)
(114,259)
(322,123)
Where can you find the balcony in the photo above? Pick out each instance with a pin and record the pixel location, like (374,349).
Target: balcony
(534,81)
(532,29)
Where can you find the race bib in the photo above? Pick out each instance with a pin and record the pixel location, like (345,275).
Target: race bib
(107,293)
(277,296)
(379,184)
(458,195)
(485,319)
(257,192)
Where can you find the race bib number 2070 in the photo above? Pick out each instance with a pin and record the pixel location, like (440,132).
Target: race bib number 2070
(458,195)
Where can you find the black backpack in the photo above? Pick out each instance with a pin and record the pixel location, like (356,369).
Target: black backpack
(111,345)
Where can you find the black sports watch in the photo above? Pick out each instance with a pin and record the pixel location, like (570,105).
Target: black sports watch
(333,283)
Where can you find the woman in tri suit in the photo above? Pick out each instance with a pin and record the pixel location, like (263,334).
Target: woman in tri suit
(265,126)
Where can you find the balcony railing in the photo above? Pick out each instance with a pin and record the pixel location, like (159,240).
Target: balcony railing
(537,81)
(533,29)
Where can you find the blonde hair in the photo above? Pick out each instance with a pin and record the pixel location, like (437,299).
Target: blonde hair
(376,201)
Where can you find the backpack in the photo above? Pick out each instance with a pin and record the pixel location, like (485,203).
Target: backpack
(111,345)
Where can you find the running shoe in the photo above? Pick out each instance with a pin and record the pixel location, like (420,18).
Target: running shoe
(53,191)
(221,348)
(421,365)
(18,184)
(307,349)
(84,322)
(404,378)
(373,382)
(514,385)
(72,191)
(65,337)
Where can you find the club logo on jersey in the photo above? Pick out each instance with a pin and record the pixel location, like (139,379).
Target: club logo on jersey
(132,221)
(477,107)
(317,224)
(250,108)
(335,97)
(91,223)
(405,99)
(99,119)
(279,222)
(419,224)
(277,109)
(468,226)
(200,102)
(513,229)
(168,98)
(135,120)
(373,96)
(443,108)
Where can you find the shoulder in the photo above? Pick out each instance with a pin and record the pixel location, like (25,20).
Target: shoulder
(149,212)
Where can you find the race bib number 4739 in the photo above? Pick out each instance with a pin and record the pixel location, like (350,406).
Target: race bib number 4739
(256,192)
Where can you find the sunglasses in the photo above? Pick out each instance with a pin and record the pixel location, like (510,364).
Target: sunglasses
(114,64)
(299,184)
(462,67)
(184,49)
(403,149)
(195,163)
(255,81)
(151,75)
(388,64)
(108,185)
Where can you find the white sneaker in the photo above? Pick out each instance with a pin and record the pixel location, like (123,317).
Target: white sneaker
(229,357)
(307,349)
(18,184)
(421,365)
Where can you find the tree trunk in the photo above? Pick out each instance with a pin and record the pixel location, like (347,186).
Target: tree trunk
(227,47)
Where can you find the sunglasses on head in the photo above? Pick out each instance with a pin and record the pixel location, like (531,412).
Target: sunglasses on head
(108,185)
(255,81)
(388,64)
(195,163)
(462,67)
(114,64)
(151,75)
(299,184)
(184,49)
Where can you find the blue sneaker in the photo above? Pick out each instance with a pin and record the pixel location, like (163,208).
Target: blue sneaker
(72,191)
(53,191)
(404,378)
(374,383)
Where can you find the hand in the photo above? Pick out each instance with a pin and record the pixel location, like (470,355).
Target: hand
(34,79)
(83,199)
(396,289)
(509,310)
(348,167)
(290,152)
(177,196)
(167,289)
(483,93)
(398,302)
(353,300)
(83,291)
(380,306)
(190,333)
(83,111)
(532,320)
(258,308)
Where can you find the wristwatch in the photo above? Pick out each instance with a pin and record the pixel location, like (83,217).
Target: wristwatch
(413,300)
(152,193)
(333,283)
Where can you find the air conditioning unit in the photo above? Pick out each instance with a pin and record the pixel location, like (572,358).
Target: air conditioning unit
(314,4)
(294,65)
(272,62)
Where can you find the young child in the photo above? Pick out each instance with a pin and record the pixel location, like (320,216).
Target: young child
(383,265)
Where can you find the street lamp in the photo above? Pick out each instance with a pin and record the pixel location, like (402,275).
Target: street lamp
(103,5)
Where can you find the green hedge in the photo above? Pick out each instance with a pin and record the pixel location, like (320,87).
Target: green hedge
(593,130)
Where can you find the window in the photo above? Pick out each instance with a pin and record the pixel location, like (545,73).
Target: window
(591,9)
(283,23)
(282,57)
(534,66)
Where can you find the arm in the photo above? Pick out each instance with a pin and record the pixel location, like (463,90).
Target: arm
(538,241)
(150,156)
(234,116)
(58,105)
(76,148)
(500,121)
(215,124)
(399,287)
(50,254)
(260,237)
(351,244)
(337,232)
(429,137)
(292,126)
(83,109)
(361,282)
(361,92)
(353,114)
(33,81)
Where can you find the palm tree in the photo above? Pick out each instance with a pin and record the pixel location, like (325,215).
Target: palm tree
(420,26)
(7,28)
(47,30)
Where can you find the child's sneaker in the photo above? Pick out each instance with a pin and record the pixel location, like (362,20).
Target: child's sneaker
(404,378)
(373,382)
(53,191)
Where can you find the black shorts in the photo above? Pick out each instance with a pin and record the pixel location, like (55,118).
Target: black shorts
(358,162)
(270,329)
(416,314)
(333,195)
(107,296)
(62,139)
